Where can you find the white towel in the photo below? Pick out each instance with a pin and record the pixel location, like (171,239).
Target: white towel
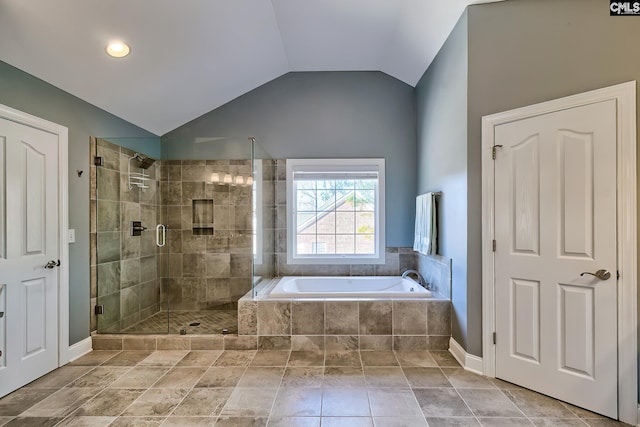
(426,232)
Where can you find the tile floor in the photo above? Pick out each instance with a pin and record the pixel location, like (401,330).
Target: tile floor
(279,389)
(211,322)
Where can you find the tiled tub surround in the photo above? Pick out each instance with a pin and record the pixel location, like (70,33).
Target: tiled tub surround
(124,268)
(338,324)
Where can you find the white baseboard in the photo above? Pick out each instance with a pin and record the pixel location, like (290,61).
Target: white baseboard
(468,361)
(79,349)
(638,422)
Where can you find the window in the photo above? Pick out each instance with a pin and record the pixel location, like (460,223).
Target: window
(335,211)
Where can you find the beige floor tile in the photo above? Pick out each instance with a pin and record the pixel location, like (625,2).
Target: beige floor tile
(156,402)
(346,422)
(444,359)
(260,376)
(86,421)
(558,422)
(241,422)
(385,377)
(61,403)
(271,358)
(345,402)
(387,402)
(425,377)
(302,377)
(453,422)
(5,420)
(400,421)
(235,358)
(342,358)
(94,358)
(505,422)
(420,358)
(536,405)
(218,376)
(441,403)
(101,376)
(60,377)
(460,378)
(297,402)
(108,403)
(378,358)
(336,376)
(22,399)
(489,403)
(250,402)
(184,378)
(137,422)
(203,402)
(306,358)
(294,422)
(34,421)
(189,421)
(127,358)
(140,377)
(164,358)
(199,358)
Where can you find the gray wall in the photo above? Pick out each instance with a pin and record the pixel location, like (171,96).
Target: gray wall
(26,93)
(441,96)
(325,114)
(527,51)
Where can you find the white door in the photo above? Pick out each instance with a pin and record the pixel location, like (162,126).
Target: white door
(29,239)
(555,219)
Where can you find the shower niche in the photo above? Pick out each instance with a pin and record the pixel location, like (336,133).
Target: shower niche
(202,217)
(196,249)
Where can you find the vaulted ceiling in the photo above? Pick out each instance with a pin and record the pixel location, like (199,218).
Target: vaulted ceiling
(189,57)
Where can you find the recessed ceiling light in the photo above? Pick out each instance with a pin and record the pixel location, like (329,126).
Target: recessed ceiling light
(118,49)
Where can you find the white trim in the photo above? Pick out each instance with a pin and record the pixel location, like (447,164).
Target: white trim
(624,94)
(468,361)
(80,348)
(638,423)
(63,174)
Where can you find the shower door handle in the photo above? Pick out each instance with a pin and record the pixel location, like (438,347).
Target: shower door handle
(161,235)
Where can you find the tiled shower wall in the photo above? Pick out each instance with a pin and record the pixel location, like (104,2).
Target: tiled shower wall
(207,261)
(124,272)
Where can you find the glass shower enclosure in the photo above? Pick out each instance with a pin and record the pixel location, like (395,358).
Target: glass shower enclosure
(179,237)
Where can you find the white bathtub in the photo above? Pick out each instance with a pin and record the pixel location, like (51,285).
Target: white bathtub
(348,287)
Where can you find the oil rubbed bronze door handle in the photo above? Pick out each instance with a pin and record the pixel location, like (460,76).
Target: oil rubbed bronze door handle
(600,274)
(52,264)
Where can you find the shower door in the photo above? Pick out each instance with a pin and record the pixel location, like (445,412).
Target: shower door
(125,259)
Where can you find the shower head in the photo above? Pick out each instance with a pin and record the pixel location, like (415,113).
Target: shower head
(143,161)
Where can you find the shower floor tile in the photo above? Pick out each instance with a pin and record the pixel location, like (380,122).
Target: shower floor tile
(210,322)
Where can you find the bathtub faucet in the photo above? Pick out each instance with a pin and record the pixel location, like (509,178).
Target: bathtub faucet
(418,277)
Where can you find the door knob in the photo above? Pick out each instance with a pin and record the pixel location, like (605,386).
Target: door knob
(52,264)
(600,274)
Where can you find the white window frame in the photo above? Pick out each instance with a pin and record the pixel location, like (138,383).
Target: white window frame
(336,165)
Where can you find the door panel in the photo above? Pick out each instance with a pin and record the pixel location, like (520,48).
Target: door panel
(555,217)
(30,291)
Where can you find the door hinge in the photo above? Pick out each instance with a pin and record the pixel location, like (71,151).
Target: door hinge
(97,161)
(494,245)
(494,337)
(99,309)
(618,275)
(493,151)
